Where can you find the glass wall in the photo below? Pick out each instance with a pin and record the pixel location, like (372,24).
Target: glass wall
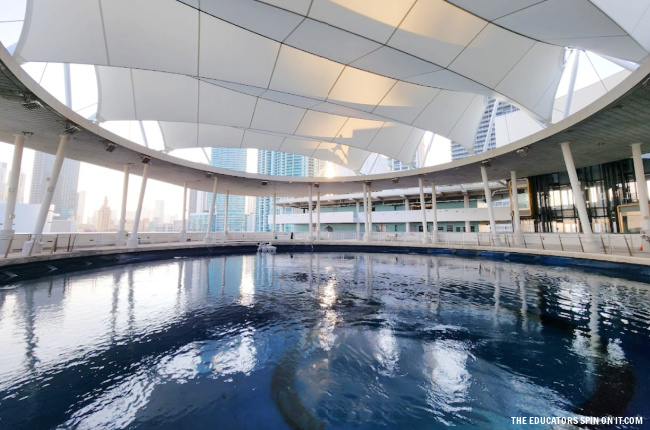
(605,187)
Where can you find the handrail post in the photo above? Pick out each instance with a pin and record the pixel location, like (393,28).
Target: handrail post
(33,243)
(56,240)
(9,246)
(628,246)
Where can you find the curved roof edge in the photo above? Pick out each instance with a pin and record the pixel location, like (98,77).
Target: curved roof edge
(599,133)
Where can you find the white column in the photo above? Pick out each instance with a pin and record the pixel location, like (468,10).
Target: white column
(434,209)
(318,214)
(208,234)
(641,187)
(358,223)
(284,212)
(425,234)
(183,235)
(468,226)
(133,240)
(274,210)
(311,215)
(366,235)
(121,232)
(225,215)
(369,189)
(590,244)
(514,201)
(35,244)
(7,231)
(407,224)
(488,200)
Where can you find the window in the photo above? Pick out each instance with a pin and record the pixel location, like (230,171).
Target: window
(450,228)
(457,229)
(441,228)
(472,228)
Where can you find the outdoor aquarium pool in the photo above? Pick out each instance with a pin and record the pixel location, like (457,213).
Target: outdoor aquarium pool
(324,341)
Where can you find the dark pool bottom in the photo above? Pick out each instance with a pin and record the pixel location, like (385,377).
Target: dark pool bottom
(322,340)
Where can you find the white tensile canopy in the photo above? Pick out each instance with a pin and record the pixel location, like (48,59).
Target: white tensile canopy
(331,79)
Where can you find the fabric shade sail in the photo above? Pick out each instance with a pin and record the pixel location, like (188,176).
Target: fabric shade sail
(196,113)
(426,65)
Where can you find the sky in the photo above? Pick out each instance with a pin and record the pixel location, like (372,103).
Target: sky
(99,182)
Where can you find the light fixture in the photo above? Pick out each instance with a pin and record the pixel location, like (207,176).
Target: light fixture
(265,183)
(71,128)
(316,185)
(109,146)
(145,159)
(368,183)
(30,102)
(487,163)
(209,175)
(522,152)
(28,133)
(395,180)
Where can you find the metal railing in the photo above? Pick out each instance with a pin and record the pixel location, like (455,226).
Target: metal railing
(622,244)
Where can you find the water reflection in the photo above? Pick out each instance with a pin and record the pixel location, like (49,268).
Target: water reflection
(336,340)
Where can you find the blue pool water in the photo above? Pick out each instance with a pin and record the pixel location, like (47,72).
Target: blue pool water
(314,341)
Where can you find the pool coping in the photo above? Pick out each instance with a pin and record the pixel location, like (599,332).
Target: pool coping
(20,268)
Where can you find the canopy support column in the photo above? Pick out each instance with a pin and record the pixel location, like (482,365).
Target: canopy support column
(434,209)
(225,214)
(208,233)
(35,244)
(514,202)
(311,215)
(274,211)
(7,232)
(369,212)
(133,240)
(183,235)
(318,214)
(642,187)
(425,234)
(488,200)
(468,226)
(358,223)
(121,232)
(589,244)
(407,224)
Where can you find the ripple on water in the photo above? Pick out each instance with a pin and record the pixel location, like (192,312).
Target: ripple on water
(321,341)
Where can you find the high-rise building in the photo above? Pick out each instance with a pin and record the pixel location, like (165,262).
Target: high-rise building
(103,217)
(482,142)
(233,159)
(81,207)
(22,179)
(65,193)
(398,166)
(191,204)
(281,164)
(159,211)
